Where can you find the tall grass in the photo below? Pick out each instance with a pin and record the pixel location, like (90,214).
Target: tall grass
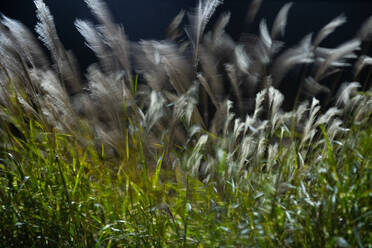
(198,154)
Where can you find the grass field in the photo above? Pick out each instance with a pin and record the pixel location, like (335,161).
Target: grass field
(108,161)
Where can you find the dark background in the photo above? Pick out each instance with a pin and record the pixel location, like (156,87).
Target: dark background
(148,19)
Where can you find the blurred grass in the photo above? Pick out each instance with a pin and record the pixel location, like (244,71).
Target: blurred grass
(56,193)
(121,164)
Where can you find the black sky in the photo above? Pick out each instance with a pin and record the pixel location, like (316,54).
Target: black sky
(148,19)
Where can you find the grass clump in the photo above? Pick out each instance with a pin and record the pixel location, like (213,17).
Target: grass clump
(179,160)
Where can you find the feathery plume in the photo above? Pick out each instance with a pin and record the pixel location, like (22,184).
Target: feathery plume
(345,92)
(276,99)
(248,124)
(238,128)
(260,98)
(364,112)
(4,95)
(313,88)
(206,87)
(148,60)
(210,69)
(297,55)
(334,64)
(172,31)
(281,21)
(264,35)
(26,42)
(15,66)
(95,42)
(365,32)
(114,35)
(261,147)
(326,52)
(101,12)
(229,115)
(273,151)
(232,74)
(341,51)
(221,118)
(322,54)
(66,64)
(55,103)
(328,29)
(361,63)
(198,21)
(185,106)
(219,27)
(253,9)
(334,128)
(247,149)
(177,69)
(327,117)
(194,160)
(8,56)
(310,129)
(161,63)
(108,94)
(299,114)
(25,106)
(155,111)
(51,85)
(242,59)
(47,30)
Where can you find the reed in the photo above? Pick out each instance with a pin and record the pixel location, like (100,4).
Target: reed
(196,151)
